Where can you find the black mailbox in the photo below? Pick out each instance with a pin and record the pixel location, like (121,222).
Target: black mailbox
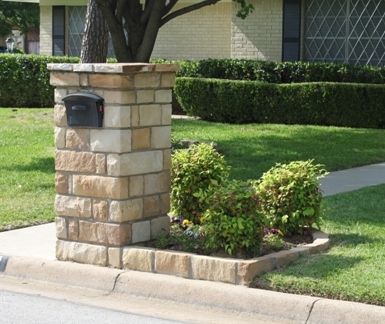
(84,109)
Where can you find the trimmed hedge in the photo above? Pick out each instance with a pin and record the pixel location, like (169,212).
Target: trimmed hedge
(337,104)
(280,72)
(24,80)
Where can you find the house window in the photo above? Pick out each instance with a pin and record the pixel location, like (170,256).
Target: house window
(291,30)
(350,31)
(58,30)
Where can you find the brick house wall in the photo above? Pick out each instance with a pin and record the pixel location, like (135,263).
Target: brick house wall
(212,32)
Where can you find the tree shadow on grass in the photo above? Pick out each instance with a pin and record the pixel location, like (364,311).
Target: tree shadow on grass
(351,239)
(46,165)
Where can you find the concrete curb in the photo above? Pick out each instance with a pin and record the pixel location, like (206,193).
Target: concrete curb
(278,306)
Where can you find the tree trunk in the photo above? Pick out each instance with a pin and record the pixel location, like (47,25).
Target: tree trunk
(95,38)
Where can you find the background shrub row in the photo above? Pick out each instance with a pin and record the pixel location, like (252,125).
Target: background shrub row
(24,80)
(280,72)
(338,104)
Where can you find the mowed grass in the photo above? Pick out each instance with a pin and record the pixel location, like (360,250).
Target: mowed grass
(26,167)
(27,155)
(253,149)
(354,268)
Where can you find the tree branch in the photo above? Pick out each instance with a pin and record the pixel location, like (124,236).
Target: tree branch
(147,11)
(169,7)
(187,9)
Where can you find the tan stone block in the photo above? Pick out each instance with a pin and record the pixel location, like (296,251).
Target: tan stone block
(117,116)
(100,187)
(283,258)
(163,96)
(318,245)
(111,140)
(111,81)
(157,183)
(173,263)
(164,203)
(161,137)
(61,228)
(123,97)
(72,206)
(248,270)
(141,231)
(73,230)
(60,137)
(61,183)
(81,252)
(60,93)
(214,269)
(150,115)
(145,96)
(166,67)
(168,80)
(167,159)
(141,138)
(60,116)
(101,164)
(104,233)
(136,186)
(166,114)
(160,226)
(126,210)
(147,80)
(78,139)
(135,118)
(151,206)
(75,161)
(134,163)
(83,67)
(138,259)
(83,79)
(114,257)
(67,79)
(100,210)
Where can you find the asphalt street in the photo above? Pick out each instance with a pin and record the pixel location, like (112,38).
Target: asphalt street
(20,308)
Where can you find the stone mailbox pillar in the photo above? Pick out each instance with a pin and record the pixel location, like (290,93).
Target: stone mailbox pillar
(113,182)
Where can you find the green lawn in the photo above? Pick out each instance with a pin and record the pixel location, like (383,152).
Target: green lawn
(252,149)
(26,167)
(27,164)
(354,268)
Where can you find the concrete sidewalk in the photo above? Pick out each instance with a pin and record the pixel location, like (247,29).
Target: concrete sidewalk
(31,256)
(353,179)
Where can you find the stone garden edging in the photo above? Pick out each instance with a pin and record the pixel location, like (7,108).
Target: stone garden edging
(201,267)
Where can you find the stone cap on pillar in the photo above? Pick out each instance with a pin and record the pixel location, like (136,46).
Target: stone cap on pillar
(115,68)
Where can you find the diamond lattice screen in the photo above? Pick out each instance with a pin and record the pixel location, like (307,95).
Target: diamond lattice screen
(76,22)
(350,31)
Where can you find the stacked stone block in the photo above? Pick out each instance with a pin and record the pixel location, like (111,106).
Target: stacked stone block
(112,183)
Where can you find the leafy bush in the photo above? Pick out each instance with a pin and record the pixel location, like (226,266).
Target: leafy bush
(290,196)
(24,80)
(337,104)
(195,173)
(232,221)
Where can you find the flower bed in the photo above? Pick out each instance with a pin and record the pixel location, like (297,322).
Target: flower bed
(202,267)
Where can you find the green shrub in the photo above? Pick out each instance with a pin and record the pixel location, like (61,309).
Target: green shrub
(232,221)
(24,80)
(290,196)
(195,173)
(281,72)
(337,104)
